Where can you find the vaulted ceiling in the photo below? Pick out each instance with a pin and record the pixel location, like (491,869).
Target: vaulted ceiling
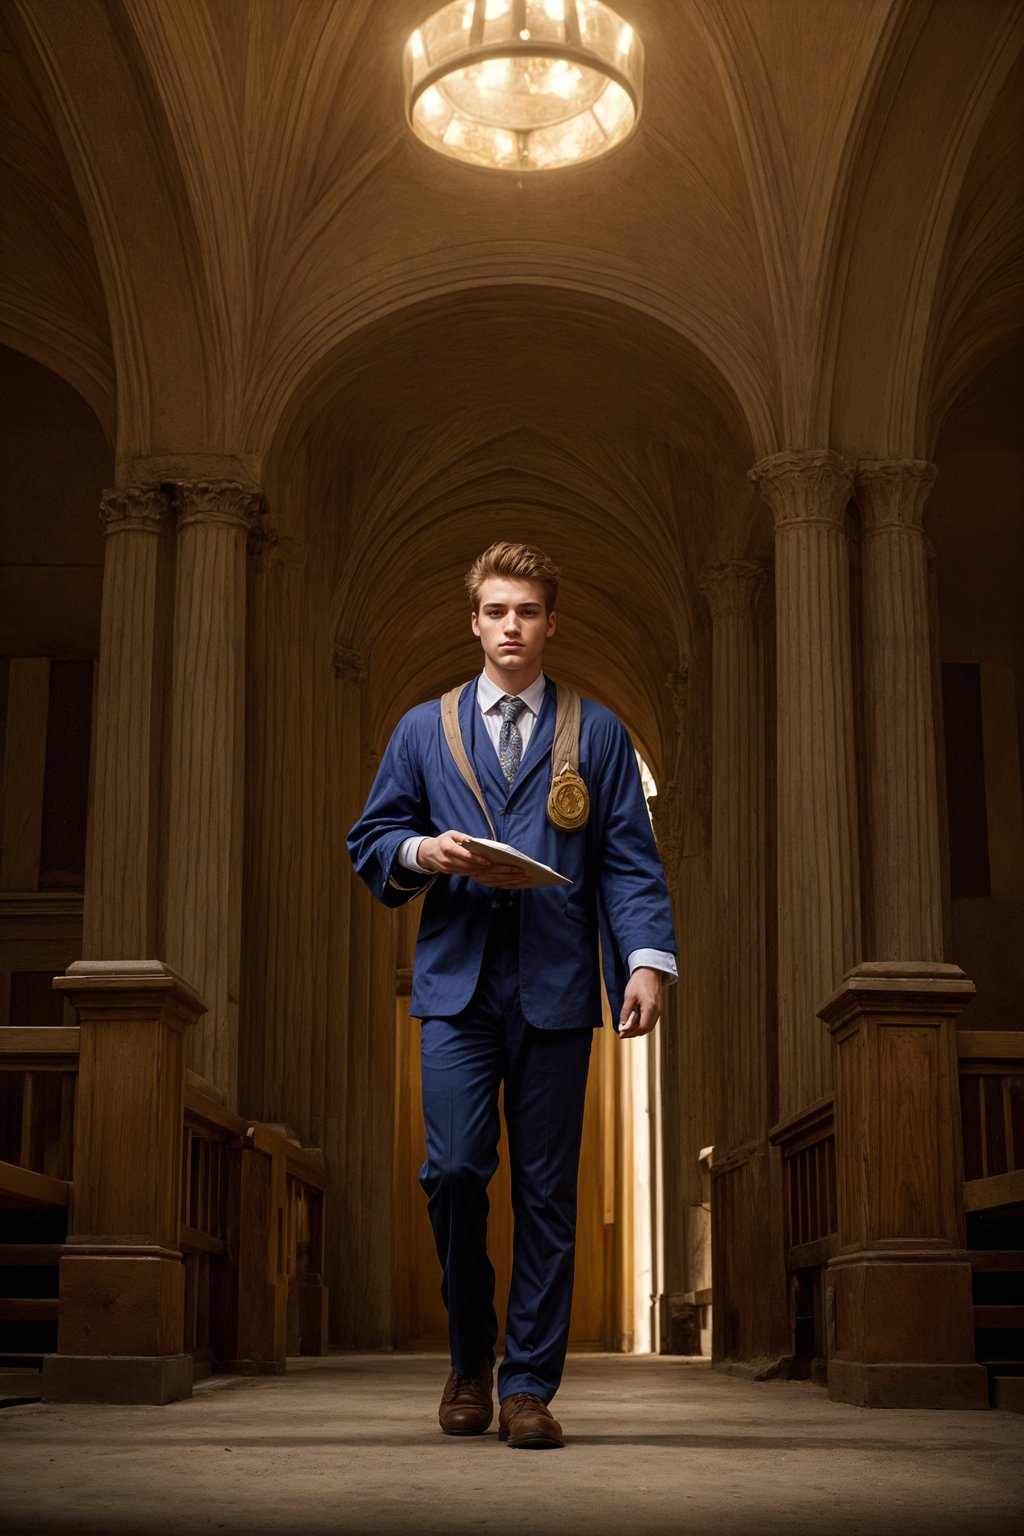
(220,231)
(208,198)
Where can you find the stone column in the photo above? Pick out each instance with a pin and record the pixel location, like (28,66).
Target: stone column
(749,1301)
(204,853)
(905,905)
(120,919)
(733,590)
(818,860)
(899,1290)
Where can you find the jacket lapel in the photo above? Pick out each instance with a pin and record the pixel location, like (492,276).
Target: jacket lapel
(481,752)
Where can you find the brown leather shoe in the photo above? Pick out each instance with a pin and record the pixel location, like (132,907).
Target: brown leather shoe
(524,1421)
(467,1407)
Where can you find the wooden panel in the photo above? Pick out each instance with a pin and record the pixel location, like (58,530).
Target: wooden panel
(66,777)
(850,1131)
(134,1067)
(24,763)
(909,1203)
(1001,737)
(749,1296)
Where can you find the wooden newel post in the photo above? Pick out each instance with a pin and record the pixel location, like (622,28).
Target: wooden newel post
(252,1289)
(899,1289)
(121,1273)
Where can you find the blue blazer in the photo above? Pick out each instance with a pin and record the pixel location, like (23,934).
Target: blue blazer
(618,891)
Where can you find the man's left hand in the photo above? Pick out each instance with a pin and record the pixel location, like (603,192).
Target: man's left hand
(641,1008)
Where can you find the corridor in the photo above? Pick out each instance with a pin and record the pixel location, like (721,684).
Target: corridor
(348,1444)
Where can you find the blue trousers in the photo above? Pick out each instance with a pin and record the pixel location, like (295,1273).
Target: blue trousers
(465,1061)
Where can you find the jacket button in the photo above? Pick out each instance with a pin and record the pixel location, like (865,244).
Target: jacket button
(493,905)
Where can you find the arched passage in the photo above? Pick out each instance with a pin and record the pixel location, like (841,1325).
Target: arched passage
(529,413)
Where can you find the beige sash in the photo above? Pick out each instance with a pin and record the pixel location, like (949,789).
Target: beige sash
(565,751)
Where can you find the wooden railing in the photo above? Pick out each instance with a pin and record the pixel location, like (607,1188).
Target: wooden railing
(251,1206)
(808,1147)
(210,1135)
(38,1074)
(991,1068)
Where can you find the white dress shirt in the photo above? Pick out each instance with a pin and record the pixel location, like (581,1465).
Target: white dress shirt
(488,696)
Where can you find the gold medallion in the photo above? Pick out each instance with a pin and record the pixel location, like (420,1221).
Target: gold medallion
(568,802)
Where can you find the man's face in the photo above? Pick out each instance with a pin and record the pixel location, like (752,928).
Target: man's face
(512,626)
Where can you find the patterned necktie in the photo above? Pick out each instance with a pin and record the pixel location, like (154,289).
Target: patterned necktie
(510,741)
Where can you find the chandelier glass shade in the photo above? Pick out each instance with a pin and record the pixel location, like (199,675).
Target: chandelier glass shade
(523,85)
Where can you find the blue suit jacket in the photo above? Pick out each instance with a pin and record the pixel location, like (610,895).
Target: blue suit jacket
(618,889)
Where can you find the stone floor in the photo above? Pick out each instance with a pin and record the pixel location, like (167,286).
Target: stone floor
(349,1444)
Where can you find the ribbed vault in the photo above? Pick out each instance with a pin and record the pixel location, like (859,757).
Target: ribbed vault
(52,305)
(525,413)
(979,317)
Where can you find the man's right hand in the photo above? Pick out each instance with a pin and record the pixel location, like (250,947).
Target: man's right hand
(448,855)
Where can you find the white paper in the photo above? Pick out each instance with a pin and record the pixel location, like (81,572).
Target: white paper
(504,853)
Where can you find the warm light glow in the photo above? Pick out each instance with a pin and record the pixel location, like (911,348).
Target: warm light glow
(527,86)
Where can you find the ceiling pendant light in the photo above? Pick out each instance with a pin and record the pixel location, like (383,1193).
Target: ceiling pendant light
(523,85)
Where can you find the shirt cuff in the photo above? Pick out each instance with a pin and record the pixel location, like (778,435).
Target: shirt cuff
(656,960)
(407,854)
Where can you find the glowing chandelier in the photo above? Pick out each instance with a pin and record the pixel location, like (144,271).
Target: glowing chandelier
(523,85)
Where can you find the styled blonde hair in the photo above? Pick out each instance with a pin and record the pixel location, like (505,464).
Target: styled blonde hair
(516,562)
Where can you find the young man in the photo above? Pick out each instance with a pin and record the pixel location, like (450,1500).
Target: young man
(506,977)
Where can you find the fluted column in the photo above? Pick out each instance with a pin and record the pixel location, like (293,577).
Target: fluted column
(905,906)
(733,590)
(204,855)
(121,856)
(347,1055)
(818,862)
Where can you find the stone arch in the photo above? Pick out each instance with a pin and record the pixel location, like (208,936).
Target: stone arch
(345,332)
(626,458)
(52,305)
(88,67)
(978,319)
(925,124)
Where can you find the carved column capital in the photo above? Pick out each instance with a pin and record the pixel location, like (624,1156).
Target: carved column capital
(227,503)
(733,587)
(806,486)
(349,665)
(891,493)
(135,509)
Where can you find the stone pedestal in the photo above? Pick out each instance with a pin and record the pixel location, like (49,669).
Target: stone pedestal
(204,852)
(818,860)
(899,1289)
(904,907)
(121,879)
(121,1273)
